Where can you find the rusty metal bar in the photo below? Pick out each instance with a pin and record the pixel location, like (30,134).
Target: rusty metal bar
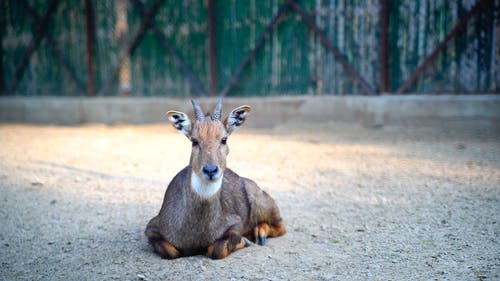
(66,64)
(195,83)
(457,29)
(212,58)
(90,26)
(132,45)
(55,50)
(234,78)
(328,44)
(384,45)
(33,45)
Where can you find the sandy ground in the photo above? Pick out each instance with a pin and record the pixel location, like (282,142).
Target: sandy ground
(360,203)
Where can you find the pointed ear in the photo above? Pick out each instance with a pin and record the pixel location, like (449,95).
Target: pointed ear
(180,121)
(236,118)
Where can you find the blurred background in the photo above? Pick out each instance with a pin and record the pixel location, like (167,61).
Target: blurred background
(194,48)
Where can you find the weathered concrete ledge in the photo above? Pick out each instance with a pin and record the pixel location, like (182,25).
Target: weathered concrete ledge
(442,110)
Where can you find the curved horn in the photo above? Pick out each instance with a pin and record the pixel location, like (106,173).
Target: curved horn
(217,111)
(197,111)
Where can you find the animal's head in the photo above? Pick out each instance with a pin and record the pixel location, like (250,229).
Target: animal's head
(208,135)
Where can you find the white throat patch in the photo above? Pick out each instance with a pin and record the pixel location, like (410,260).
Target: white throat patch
(203,189)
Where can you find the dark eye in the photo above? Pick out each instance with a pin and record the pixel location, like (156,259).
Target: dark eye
(224,140)
(194,142)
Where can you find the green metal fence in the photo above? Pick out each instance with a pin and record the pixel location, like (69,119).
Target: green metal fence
(252,47)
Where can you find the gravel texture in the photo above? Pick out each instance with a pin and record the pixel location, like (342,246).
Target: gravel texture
(388,203)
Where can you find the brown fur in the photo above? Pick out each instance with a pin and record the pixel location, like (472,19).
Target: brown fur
(209,134)
(189,224)
(165,249)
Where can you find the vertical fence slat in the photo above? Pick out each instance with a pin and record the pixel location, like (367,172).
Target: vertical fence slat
(89,22)
(128,50)
(413,46)
(338,56)
(455,31)
(384,46)
(33,45)
(148,22)
(257,45)
(58,54)
(212,59)
(3,24)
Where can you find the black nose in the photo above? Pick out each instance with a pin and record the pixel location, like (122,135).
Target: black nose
(210,170)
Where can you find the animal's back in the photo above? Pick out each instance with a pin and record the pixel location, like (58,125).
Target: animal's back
(243,200)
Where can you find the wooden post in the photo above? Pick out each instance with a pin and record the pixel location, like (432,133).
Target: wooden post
(89,20)
(384,46)
(212,58)
(3,23)
(121,31)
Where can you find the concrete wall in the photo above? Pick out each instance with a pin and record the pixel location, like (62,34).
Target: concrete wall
(410,110)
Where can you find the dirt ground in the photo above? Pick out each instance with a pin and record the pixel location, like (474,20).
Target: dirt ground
(388,203)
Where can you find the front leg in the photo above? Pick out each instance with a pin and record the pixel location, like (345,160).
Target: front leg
(230,241)
(161,246)
(165,250)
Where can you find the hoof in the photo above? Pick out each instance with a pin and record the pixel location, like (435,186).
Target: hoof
(263,240)
(247,242)
(260,240)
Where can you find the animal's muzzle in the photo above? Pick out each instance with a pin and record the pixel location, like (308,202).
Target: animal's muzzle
(210,171)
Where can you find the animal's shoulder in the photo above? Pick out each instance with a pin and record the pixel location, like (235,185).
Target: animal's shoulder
(232,180)
(237,185)
(178,183)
